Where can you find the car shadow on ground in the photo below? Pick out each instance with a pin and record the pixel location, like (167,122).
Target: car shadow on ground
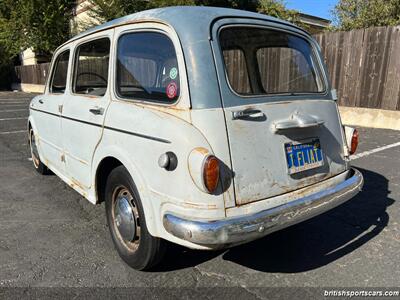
(309,245)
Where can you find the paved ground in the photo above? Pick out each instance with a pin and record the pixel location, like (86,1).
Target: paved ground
(51,236)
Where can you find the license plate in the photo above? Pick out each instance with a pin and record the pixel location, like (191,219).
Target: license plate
(303,156)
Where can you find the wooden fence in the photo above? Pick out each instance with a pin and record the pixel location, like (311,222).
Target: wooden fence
(31,74)
(364,67)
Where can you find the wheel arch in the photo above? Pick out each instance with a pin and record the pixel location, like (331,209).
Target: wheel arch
(29,127)
(103,170)
(30,124)
(105,160)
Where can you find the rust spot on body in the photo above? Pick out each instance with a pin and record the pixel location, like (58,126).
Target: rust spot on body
(199,206)
(201,150)
(91,97)
(77,183)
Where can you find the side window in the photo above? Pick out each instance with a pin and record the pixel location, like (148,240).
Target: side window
(236,69)
(59,77)
(91,68)
(147,67)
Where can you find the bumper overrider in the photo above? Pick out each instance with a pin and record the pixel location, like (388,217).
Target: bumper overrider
(237,230)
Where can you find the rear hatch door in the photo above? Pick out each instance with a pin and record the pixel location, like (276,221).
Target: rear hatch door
(283,129)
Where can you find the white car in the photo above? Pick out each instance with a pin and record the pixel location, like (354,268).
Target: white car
(205,127)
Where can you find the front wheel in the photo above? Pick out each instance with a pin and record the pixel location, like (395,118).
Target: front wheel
(37,163)
(127,223)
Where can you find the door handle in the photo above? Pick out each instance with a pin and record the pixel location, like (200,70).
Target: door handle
(41,101)
(297,120)
(247,114)
(97,110)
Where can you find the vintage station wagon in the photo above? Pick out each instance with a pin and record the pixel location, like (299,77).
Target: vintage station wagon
(205,127)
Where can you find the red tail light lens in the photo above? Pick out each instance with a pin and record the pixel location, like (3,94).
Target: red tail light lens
(354,142)
(211,173)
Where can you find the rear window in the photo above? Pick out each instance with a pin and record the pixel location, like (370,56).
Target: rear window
(147,67)
(262,61)
(236,70)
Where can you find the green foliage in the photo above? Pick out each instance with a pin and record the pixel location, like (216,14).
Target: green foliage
(43,25)
(249,5)
(38,24)
(103,10)
(5,70)
(355,14)
(277,9)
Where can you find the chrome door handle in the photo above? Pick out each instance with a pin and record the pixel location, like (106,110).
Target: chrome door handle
(297,120)
(247,114)
(97,110)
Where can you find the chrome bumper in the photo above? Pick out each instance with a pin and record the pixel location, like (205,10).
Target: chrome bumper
(237,230)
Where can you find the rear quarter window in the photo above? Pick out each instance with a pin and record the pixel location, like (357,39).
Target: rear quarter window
(147,68)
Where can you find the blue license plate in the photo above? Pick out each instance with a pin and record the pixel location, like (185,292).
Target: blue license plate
(303,156)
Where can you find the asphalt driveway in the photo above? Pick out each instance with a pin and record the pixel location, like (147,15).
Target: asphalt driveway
(51,237)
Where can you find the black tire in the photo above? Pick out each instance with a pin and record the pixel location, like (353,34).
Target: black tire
(37,163)
(134,243)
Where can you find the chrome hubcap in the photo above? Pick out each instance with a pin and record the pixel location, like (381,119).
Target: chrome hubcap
(126,218)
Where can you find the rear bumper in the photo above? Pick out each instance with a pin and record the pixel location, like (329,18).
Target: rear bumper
(237,230)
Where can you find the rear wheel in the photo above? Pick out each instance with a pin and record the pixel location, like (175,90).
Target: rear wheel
(39,166)
(126,220)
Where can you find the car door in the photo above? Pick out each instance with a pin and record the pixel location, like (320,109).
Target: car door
(283,128)
(47,112)
(83,112)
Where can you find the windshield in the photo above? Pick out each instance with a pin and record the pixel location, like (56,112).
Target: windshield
(262,61)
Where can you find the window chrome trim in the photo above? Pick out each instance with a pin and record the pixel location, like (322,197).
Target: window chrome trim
(137,134)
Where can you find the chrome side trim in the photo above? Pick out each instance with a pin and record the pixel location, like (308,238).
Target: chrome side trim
(153,138)
(237,230)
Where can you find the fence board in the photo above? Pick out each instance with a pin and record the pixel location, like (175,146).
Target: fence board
(364,66)
(391,92)
(31,74)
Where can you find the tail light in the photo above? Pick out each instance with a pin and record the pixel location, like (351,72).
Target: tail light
(354,142)
(351,135)
(211,173)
